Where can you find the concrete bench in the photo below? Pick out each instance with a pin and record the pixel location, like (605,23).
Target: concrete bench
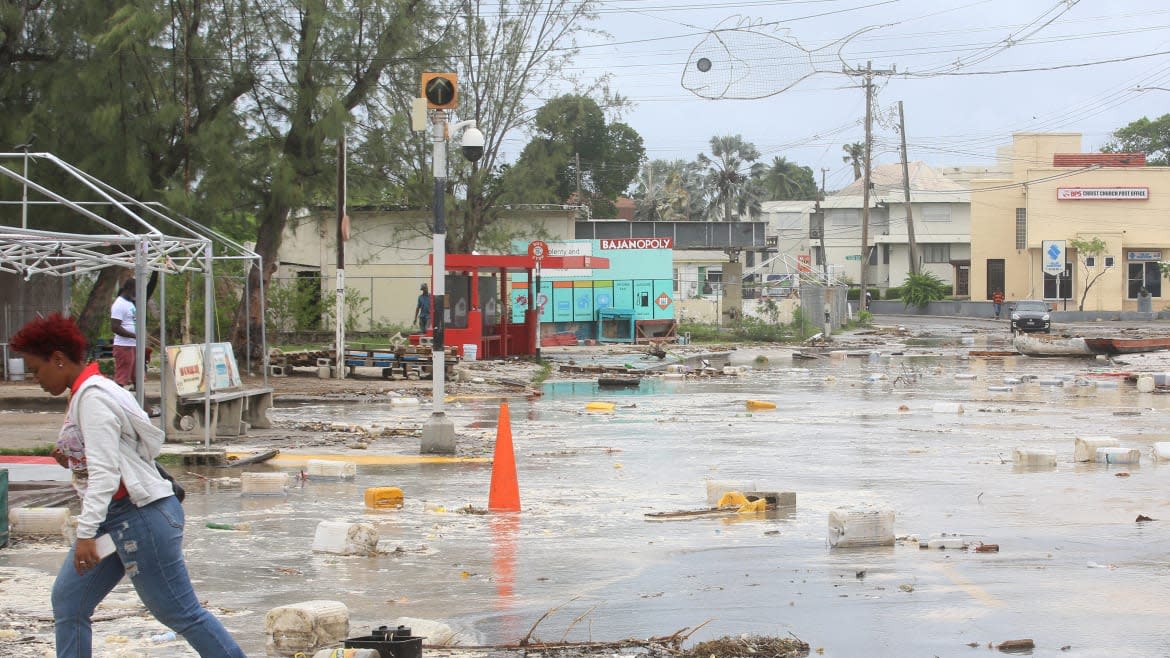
(197,397)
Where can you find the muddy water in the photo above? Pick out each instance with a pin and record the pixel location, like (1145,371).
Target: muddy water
(1074,569)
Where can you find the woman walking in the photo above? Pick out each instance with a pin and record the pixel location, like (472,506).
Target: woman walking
(108,442)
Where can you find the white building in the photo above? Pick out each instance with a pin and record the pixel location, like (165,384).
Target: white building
(941,214)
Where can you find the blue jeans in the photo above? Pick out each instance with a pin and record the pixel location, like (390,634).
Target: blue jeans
(149,542)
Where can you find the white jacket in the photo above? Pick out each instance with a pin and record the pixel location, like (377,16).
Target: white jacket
(120,447)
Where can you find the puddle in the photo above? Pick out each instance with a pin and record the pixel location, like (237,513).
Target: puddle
(837,437)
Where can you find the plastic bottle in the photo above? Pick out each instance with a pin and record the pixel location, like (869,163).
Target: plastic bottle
(159,638)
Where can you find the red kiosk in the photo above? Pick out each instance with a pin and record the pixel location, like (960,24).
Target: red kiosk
(477,300)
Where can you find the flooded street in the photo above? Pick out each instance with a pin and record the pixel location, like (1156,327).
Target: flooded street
(1074,572)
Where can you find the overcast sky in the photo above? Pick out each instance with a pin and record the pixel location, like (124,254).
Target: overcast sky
(951,119)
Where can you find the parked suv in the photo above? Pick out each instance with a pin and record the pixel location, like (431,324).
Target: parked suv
(1030,315)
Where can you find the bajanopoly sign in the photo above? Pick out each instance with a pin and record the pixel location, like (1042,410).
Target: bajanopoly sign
(1103,193)
(638,243)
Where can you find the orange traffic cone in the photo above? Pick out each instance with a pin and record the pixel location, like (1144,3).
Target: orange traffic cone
(505,492)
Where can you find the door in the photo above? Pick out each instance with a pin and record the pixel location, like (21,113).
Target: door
(963,280)
(995,276)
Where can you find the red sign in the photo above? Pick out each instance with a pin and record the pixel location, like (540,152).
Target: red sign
(803,263)
(638,243)
(663,301)
(538,249)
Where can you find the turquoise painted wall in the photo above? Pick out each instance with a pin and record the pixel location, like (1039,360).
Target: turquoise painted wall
(638,279)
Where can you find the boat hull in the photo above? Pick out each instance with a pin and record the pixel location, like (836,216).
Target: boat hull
(1127,345)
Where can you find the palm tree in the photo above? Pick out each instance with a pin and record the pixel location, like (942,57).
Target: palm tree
(669,191)
(854,155)
(729,177)
(785,180)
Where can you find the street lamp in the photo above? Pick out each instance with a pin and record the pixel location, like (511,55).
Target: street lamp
(441,93)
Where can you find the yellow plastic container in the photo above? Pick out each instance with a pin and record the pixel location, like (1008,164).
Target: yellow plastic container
(599,406)
(759,405)
(732,498)
(383,497)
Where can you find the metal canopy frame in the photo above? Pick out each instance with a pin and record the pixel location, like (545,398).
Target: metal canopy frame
(157,240)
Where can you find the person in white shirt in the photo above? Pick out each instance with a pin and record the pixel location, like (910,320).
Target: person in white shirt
(124,322)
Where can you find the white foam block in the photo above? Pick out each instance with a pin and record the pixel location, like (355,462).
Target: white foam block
(326,468)
(1085,447)
(305,626)
(343,538)
(861,526)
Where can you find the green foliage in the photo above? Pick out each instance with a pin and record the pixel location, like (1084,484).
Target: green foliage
(784,180)
(923,288)
(855,156)
(1144,136)
(669,191)
(731,178)
(39,451)
(571,129)
(893,292)
(357,307)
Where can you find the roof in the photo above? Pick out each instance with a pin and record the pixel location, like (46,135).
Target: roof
(787,206)
(1099,159)
(888,178)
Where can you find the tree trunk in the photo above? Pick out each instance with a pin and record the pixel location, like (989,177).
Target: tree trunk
(94,318)
(248,323)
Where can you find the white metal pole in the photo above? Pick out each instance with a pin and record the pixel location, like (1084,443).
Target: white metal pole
(439,260)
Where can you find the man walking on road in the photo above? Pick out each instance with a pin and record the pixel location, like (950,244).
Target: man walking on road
(422,310)
(997,299)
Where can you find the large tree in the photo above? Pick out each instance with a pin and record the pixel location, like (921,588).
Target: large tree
(669,191)
(140,95)
(730,174)
(784,180)
(1144,136)
(515,51)
(571,131)
(319,63)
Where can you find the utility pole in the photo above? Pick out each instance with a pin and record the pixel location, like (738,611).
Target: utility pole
(342,236)
(577,159)
(912,246)
(824,254)
(866,182)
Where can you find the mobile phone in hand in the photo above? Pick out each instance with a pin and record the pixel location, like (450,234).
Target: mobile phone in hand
(105,546)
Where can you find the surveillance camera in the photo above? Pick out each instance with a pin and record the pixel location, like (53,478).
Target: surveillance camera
(472,144)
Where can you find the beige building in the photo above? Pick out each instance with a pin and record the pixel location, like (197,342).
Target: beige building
(386,256)
(1022,225)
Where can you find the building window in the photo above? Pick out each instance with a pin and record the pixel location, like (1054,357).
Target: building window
(1059,286)
(1021,228)
(873,255)
(1109,262)
(1144,274)
(845,216)
(935,213)
(1090,261)
(936,253)
(886,254)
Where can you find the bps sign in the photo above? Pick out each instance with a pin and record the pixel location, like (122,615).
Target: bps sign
(638,243)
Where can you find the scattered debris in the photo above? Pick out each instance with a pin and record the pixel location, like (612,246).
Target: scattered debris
(1016,646)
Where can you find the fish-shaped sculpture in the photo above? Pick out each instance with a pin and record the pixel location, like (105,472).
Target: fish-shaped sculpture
(741,59)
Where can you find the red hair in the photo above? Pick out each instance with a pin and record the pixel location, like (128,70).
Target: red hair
(56,333)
